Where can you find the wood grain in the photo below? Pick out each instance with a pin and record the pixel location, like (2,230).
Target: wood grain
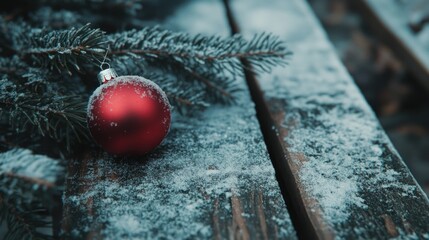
(341,176)
(211,178)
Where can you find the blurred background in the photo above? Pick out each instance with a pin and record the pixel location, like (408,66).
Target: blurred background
(394,92)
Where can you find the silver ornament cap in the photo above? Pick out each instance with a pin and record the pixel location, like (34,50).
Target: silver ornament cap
(106,75)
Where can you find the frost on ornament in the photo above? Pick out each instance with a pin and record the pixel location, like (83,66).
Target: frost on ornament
(133,80)
(129,115)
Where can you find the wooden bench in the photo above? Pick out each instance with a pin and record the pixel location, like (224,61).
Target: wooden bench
(403,26)
(211,177)
(311,162)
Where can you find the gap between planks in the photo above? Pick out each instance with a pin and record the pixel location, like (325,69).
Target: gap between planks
(302,223)
(387,213)
(226,222)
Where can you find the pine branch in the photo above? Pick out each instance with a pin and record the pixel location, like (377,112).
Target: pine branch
(23,224)
(12,35)
(39,101)
(216,88)
(62,118)
(208,86)
(21,73)
(199,70)
(12,67)
(39,80)
(16,226)
(211,61)
(27,177)
(29,180)
(182,95)
(26,181)
(185,96)
(65,49)
(23,162)
(222,53)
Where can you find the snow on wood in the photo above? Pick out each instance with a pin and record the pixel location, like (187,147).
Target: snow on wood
(394,22)
(406,19)
(211,177)
(351,180)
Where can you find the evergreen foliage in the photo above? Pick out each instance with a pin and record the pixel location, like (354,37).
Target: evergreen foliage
(27,184)
(42,57)
(50,53)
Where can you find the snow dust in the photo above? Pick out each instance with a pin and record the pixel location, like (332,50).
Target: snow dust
(346,151)
(205,160)
(24,162)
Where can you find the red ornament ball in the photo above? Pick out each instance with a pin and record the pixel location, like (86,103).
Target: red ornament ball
(128,115)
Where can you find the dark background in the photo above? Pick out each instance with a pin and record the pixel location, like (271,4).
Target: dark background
(396,96)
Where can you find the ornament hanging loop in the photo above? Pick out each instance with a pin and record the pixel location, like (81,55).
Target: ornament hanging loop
(104,64)
(107,74)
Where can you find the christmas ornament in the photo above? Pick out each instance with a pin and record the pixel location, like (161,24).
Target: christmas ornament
(128,115)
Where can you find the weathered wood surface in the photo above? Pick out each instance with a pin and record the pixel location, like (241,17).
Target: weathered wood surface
(341,175)
(403,26)
(211,178)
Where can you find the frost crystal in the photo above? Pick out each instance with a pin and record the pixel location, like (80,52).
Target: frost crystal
(23,162)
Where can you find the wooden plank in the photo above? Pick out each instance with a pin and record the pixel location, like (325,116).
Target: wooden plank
(341,175)
(211,178)
(391,21)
